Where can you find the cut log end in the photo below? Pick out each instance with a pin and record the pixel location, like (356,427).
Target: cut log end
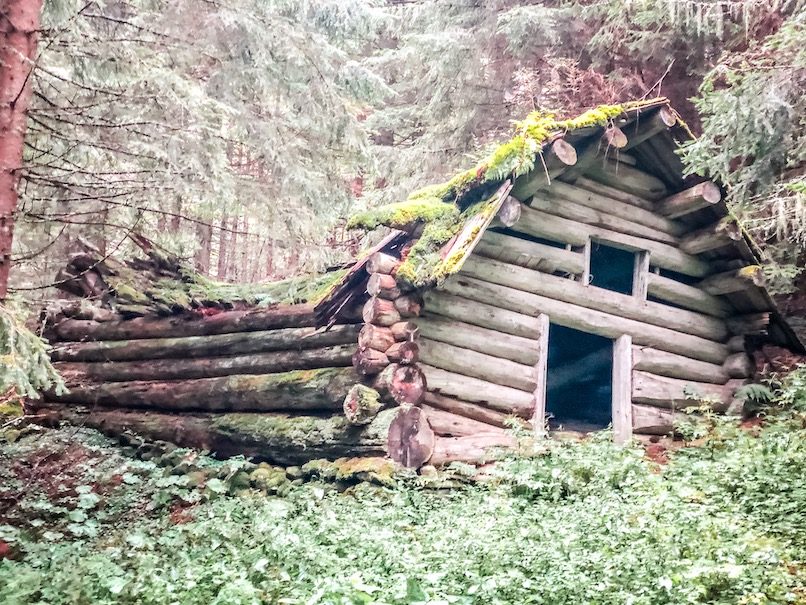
(380,312)
(405,352)
(565,152)
(510,211)
(411,440)
(361,404)
(368,362)
(615,137)
(382,263)
(404,384)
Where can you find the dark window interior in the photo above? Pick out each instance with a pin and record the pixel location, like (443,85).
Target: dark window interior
(579,381)
(681,277)
(611,268)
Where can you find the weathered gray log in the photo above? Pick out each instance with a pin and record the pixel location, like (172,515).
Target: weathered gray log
(380,312)
(403,384)
(283,339)
(405,352)
(688,297)
(712,237)
(408,305)
(369,362)
(650,420)
(300,390)
(473,411)
(510,211)
(564,151)
(471,449)
(553,162)
(690,200)
(375,337)
(404,330)
(382,263)
(613,193)
(631,212)
(623,305)
(733,281)
(737,344)
(188,324)
(477,365)
(621,382)
(754,324)
(739,365)
(545,225)
(661,391)
(546,201)
(383,285)
(480,314)
(667,364)
(277,438)
(475,390)
(361,404)
(205,367)
(587,320)
(614,137)
(411,440)
(529,254)
(628,178)
(465,335)
(447,424)
(645,128)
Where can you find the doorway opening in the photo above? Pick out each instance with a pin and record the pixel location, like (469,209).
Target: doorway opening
(579,383)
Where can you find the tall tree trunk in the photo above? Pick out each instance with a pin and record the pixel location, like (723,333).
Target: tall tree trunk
(221,273)
(205,234)
(19,24)
(232,269)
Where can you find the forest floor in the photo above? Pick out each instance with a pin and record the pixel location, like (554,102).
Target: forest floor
(83,521)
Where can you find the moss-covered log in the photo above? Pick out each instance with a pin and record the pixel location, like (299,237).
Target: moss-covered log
(285,339)
(188,324)
(300,390)
(207,367)
(277,438)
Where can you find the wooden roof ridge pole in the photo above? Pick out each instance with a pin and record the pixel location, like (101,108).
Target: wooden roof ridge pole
(555,158)
(694,198)
(642,129)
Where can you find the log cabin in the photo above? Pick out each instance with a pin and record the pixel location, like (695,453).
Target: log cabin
(577,278)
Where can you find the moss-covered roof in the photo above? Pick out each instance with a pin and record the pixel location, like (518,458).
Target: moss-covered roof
(445,209)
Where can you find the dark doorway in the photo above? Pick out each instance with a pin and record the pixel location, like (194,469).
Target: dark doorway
(579,381)
(611,268)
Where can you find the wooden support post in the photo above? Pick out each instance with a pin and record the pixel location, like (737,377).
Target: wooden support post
(622,389)
(541,375)
(640,277)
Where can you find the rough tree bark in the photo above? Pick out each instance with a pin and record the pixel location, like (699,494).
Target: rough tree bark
(19,25)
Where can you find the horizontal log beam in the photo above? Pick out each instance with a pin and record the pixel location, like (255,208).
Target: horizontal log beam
(586,320)
(530,254)
(688,297)
(649,420)
(711,238)
(554,162)
(671,365)
(623,305)
(755,324)
(188,324)
(614,194)
(645,128)
(474,449)
(733,281)
(482,315)
(739,365)
(284,339)
(475,390)
(675,393)
(473,411)
(467,336)
(627,178)
(300,390)
(205,367)
(477,365)
(448,424)
(545,225)
(690,200)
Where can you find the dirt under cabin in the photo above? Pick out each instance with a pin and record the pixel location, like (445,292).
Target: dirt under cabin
(574,279)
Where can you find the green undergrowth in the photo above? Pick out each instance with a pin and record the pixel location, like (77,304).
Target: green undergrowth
(443,209)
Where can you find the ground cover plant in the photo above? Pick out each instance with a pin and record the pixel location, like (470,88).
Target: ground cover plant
(722,520)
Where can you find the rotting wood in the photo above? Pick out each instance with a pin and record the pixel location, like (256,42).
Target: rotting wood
(739,365)
(369,362)
(688,297)
(278,438)
(530,254)
(381,262)
(733,281)
(404,352)
(361,404)
(616,303)
(473,411)
(376,337)
(622,389)
(187,324)
(481,314)
(206,367)
(284,339)
(380,312)
(671,365)
(475,390)
(470,449)
(403,384)
(477,365)
(467,336)
(694,198)
(447,424)
(676,393)
(587,320)
(383,285)
(545,225)
(411,440)
(299,390)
